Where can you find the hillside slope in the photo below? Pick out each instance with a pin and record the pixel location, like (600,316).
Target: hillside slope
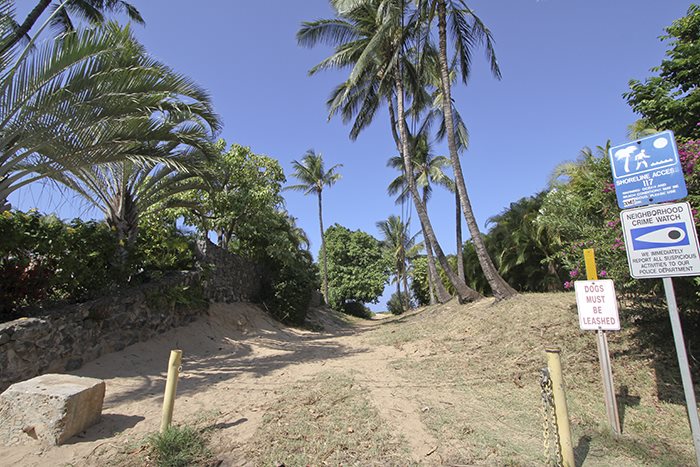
(445,385)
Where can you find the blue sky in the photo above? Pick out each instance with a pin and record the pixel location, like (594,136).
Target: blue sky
(565,65)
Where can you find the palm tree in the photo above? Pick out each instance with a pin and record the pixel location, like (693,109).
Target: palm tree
(314,177)
(125,191)
(92,11)
(428,169)
(370,37)
(467,30)
(401,247)
(93,97)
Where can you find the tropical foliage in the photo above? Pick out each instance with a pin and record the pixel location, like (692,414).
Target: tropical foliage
(358,269)
(44,260)
(671,100)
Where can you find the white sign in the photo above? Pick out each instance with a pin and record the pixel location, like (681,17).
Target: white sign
(661,241)
(597,305)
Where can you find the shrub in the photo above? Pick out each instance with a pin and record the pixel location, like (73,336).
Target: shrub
(397,304)
(357,309)
(43,258)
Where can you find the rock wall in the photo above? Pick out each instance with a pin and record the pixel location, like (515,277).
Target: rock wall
(227,277)
(66,337)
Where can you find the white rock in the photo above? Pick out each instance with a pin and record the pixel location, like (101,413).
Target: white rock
(50,408)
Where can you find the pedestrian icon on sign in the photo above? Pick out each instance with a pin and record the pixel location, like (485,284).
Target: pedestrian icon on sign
(641,159)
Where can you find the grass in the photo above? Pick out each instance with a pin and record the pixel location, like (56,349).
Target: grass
(327,420)
(177,446)
(483,361)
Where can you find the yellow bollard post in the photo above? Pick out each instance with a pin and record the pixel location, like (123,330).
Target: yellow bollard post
(560,407)
(170,389)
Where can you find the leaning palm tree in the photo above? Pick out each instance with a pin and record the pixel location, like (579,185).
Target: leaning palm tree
(467,30)
(314,178)
(64,14)
(93,97)
(400,246)
(428,170)
(370,37)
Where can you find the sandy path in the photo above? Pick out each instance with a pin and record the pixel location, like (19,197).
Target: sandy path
(235,361)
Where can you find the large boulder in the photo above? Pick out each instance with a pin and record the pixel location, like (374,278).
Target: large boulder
(50,408)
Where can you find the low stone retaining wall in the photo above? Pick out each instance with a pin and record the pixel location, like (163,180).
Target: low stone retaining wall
(67,337)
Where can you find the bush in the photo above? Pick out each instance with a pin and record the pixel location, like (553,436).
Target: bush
(397,304)
(357,309)
(178,446)
(161,247)
(43,258)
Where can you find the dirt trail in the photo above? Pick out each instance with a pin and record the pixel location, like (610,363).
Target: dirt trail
(235,361)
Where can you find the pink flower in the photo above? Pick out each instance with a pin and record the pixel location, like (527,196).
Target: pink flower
(568,285)
(573,273)
(603,273)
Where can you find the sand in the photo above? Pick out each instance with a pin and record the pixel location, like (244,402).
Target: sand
(235,360)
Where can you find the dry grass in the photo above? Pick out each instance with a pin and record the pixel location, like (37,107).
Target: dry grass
(328,420)
(483,361)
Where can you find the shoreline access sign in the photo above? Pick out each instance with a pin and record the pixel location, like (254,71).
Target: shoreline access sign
(661,241)
(647,171)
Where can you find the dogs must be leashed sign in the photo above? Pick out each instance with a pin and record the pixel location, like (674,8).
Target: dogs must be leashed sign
(597,305)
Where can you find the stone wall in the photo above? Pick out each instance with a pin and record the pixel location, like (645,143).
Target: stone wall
(227,277)
(65,338)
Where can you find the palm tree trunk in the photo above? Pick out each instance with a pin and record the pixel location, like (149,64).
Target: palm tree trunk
(501,289)
(405,288)
(443,295)
(27,25)
(398,288)
(323,247)
(431,289)
(458,235)
(463,291)
(433,276)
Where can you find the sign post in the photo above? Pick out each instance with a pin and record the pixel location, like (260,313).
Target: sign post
(661,240)
(683,364)
(597,310)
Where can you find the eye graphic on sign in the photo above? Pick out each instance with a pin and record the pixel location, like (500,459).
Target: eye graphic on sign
(658,236)
(666,235)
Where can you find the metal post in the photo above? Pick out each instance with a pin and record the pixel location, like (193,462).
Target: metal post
(560,407)
(608,385)
(683,364)
(604,354)
(170,389)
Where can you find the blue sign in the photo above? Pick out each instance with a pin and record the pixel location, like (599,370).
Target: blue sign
(647,171)
(660,236)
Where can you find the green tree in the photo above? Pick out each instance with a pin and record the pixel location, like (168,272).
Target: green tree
(671,100)
(369,38)
(237,190)
(314,178)
(467,30)
(401,248)
(522,248)
(358,269)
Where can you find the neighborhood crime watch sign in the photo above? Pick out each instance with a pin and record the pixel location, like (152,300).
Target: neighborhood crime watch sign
(597,305)
(661,241)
